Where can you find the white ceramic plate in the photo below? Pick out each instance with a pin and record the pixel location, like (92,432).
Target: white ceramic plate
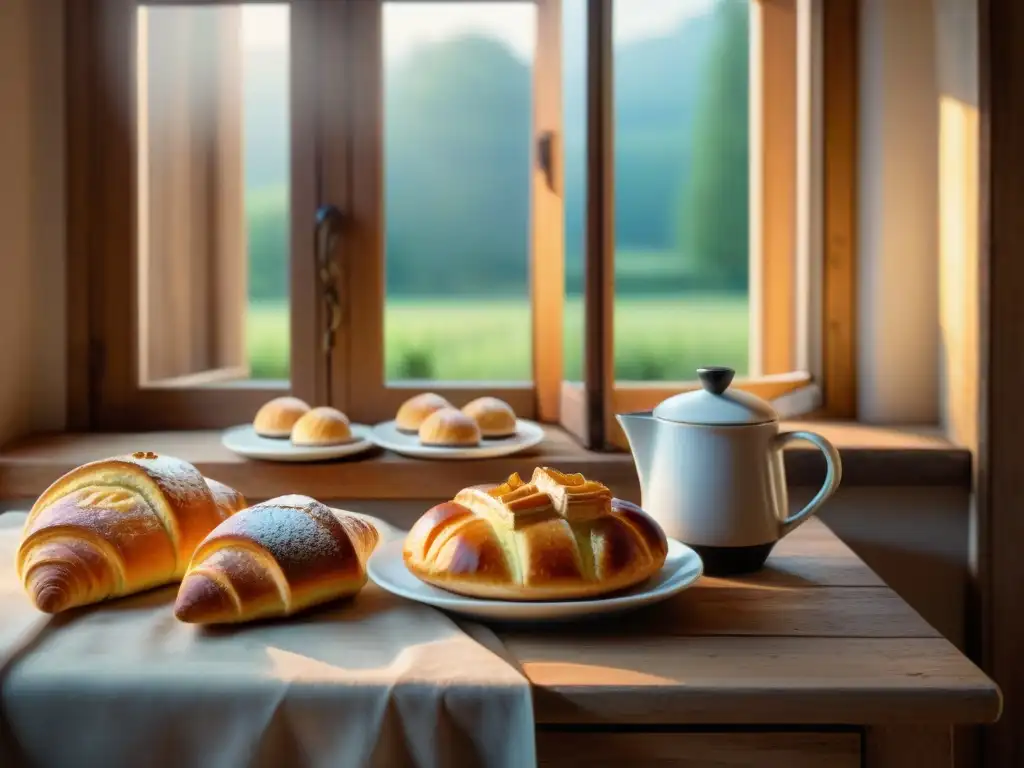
(244,441)
(682,568)
(528,434)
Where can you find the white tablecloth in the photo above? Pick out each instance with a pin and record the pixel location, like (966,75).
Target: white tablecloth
(376,681)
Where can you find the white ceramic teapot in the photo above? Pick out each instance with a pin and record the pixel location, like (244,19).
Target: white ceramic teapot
(711,472)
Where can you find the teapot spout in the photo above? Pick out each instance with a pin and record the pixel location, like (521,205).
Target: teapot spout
(641,430)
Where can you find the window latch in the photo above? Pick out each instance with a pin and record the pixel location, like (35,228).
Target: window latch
(546,157)
(328,229)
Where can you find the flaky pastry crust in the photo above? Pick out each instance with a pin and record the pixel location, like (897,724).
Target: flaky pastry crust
(275,559)
(557,537)
(118,526)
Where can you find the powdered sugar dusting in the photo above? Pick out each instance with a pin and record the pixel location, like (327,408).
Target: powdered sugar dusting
(300,533)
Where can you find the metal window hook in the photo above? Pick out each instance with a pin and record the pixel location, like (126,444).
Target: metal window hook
(328,229)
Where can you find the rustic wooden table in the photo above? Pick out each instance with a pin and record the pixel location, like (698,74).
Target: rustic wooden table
(813,662)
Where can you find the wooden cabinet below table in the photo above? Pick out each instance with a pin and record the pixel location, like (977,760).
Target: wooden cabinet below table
(699,749)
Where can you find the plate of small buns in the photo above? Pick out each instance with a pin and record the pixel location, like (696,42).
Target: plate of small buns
(288,429)
(557,547)
(428,426)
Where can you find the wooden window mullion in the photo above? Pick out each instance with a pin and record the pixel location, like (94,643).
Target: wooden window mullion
(306,78)
(598,323)
(586,407)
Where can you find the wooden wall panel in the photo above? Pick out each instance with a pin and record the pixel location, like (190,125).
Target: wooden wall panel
(1000,514)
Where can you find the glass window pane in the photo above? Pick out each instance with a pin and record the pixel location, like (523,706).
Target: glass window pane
(458,79)
(681,187)
(213,193)
(267,139)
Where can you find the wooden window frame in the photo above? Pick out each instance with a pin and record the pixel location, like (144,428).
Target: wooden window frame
(104,390)
(804,66)
(803,117)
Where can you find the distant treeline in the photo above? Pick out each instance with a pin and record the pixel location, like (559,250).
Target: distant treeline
(457,148)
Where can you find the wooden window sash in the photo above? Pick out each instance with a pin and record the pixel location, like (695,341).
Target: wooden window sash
(370,397)
(803,101)
(108,388)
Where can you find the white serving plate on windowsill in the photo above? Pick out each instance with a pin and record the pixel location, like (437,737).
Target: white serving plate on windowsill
(682,569)
(528,434)
(244,441)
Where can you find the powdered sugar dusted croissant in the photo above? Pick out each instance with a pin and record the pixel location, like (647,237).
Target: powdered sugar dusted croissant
(275,559)
(118,526)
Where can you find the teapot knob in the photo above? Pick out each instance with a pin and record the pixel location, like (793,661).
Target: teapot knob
(715,379)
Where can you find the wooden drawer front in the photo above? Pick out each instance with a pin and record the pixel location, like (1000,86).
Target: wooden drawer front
(699,750)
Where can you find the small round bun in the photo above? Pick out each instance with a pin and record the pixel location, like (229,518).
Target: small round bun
(416,409)
(495,417)
(276,418)
(322,426)
(450,427)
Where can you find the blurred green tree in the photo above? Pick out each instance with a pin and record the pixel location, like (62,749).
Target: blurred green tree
(457,158)
(714,220)
(457,146)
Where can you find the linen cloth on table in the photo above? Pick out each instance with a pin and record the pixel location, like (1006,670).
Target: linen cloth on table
(373,681)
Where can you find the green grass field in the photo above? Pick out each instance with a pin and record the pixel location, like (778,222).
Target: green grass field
(656,339)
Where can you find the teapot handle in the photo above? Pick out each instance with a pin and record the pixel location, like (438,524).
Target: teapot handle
(833,475)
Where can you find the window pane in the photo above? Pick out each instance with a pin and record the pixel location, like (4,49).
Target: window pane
(213,193)
(458,79)
(681,187)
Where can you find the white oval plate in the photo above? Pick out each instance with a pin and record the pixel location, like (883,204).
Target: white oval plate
(528,434)
(682,568)
(244,441)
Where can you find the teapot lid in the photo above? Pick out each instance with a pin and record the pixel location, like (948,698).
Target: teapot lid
(715,403)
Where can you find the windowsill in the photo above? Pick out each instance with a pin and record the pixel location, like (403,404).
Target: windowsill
(872,456)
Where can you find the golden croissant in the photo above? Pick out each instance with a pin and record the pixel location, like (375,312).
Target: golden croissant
(558,537)
(118,526)
(275,559)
